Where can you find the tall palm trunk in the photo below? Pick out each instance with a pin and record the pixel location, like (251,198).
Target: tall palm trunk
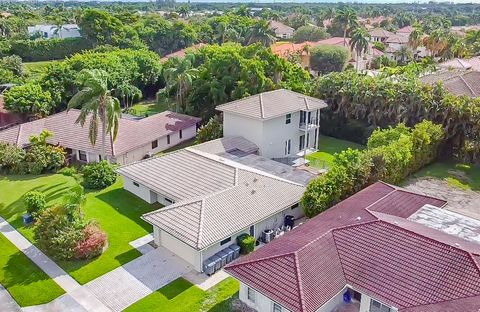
(104,134)
(345,36)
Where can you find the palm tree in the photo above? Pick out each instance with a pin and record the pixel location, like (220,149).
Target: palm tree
(359,42)
(243,10)
(262,33)
(403,54)
(415,37)
(96,102)
(183,11)
(180,78)
(221,31)
(348,19)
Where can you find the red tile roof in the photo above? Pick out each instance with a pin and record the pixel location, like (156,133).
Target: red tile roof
(366,242)
(131,133)
(181,53)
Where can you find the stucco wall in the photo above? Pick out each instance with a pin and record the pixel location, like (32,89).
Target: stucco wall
(261,304)
(250,129)
(178,247)
(140,152)
(330,305)
(141,191)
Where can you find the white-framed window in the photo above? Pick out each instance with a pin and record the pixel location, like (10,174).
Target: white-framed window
(180,134)
(376,306)
(225,241)
(288,118)
(288,146)
(276,307)
(168,138)
(82,156)
(250,294)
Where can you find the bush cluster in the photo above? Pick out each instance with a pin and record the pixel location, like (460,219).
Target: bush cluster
(46,49)
(92,244)
(99,175)
(392,155)
(326,59)
(246,243)
(34,160)
(35,201)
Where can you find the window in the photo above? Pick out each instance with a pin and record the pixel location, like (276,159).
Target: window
(226,240)
(168,200)
(180,133)
(288,118)
(136,184)
(99,157)
(168,139)
(288,146)
(277,307)
(251,294)
(154,144)
(301,142)
(294,206)
(376,306)
(82,156)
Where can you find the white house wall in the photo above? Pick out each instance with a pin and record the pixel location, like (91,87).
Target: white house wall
(261,304)
(330,305)
(178,247)
(250,129)
(140,152)
(141,191)
(276,132)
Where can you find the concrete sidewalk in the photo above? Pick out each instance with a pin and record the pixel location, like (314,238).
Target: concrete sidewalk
(7,303)
(80,294)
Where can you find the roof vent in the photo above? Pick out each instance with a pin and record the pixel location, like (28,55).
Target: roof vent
(253,192)
(255,179)
(396,222)
(457,245)
(359,218)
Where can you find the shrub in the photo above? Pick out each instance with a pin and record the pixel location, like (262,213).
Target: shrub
(246,243)
(93,242)
(57,233)
(11,157)
(99,175)
(211,131)
(29,99)
(47,49)
(35,201)
(326,59)
(68,171)
(310,33)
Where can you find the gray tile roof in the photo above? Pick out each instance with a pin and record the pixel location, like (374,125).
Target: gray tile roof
(202,222)
(272,104)
(461,83)
(131,133)
(226,145)
(380,32)
(181,175)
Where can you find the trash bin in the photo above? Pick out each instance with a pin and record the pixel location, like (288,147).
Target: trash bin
(209,266)
(27,218)
(218,262)
(230,254)
(223,255)
(289,221)
(236,251)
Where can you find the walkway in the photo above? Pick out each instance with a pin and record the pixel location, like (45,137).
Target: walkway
(7,304)
(81,295)
(131,282)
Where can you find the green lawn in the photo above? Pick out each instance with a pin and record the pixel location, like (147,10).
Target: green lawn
(327,147)
(463,176)
(181,296)
(116,210)
(35,69)
(148,108)
(26,282)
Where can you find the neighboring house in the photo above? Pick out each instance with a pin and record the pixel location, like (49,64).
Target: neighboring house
(215,191)
(52,31)
(405,31)
(288,49)
(462,64)
(137,137)
(181,53)
(383,249)
(379,35)
(461,83)
(281,30)
(282,123)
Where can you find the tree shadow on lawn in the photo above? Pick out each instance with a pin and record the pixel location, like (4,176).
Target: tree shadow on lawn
(20,271)
(129,205)
(128,256)
(175,288)
(226,305)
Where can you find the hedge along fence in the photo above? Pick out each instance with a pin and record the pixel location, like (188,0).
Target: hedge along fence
(391,155)
(45,49)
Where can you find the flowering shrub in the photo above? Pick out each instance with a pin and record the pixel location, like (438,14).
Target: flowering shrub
(92,244)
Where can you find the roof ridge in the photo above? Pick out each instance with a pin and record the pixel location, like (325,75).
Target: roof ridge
(177,205)
(233,265)
(200,222)
(440,302)
(299,283)
(468,85)
(401,189)
(262,110)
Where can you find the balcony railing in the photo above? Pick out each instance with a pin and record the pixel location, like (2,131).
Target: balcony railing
(311,124)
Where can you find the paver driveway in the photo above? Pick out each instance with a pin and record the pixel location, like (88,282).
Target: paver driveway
(131,282)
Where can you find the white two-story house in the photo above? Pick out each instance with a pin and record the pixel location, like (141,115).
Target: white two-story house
(282,123)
